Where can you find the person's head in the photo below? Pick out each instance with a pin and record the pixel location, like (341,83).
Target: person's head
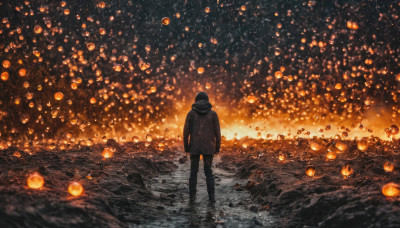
(201,96)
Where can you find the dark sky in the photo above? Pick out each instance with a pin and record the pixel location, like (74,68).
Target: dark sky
(241,45)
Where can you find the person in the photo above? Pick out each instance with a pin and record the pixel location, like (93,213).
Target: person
(202,136)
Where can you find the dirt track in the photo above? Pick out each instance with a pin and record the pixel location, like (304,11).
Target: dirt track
(234,207)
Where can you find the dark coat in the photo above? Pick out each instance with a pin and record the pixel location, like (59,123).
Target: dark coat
(202,133)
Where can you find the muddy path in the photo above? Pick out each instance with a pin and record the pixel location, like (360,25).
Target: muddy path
(234,207)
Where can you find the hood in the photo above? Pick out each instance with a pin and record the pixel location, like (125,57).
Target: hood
(201,96)
(202,107)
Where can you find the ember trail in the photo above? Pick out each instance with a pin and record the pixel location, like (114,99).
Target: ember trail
(311,87)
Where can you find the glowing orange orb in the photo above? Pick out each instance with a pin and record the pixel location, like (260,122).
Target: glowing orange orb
(331,155)
(117,68)
(90,46)
(315,146)
(362,144)
(6,63)
(278,74)
(347,170)
(37,29)
(165,21)
(17,154)
(5,76)
(200,70)
(102,31)
(310,170)
(341,146)
(394,130)
(58,96)
(352,25)
(74,86)
(101,5)
(75,189)
(388,166)
(22,72)
(92,100)
(66,12)
(207,9)
(35,181)
(107,153)
(149,138)
(251,99)
(391,189)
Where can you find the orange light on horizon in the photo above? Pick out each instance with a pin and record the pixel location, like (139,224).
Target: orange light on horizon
(107,153)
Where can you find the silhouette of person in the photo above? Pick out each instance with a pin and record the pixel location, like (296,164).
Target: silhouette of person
(202,135)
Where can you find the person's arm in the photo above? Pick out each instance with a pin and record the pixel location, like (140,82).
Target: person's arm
(186,133)
(217,132)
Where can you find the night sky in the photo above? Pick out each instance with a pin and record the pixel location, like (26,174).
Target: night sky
(121,69)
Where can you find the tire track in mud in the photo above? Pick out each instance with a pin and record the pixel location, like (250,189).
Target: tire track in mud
(234,207)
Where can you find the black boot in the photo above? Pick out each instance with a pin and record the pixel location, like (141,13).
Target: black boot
(192,196)
(211,195)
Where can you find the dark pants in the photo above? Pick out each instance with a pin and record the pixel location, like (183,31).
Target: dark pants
(194,169)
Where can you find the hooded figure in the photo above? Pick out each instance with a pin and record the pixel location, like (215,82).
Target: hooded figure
(202,135)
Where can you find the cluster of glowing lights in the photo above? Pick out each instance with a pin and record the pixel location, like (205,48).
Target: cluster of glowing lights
(352,25)
(36,181)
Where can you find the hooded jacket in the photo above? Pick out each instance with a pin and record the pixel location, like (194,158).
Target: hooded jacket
(202,133)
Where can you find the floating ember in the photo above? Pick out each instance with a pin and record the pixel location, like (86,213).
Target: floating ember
(394,130)
(4,76)
(165,21)
(251,99)
(75,189)
(200,70)
(391,189)
(58,96)
(35,181)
